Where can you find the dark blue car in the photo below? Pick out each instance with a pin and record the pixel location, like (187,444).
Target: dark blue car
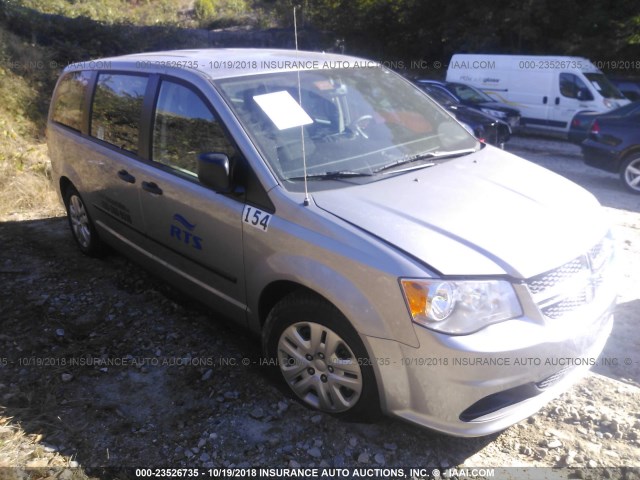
(486,128)
(476,99)
(613,145)
(581,123)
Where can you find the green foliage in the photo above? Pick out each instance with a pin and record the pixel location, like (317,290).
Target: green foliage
(139,12)
(24,166)
(26,80)
(435,29)
(205,9)
(210,10)
(632,26)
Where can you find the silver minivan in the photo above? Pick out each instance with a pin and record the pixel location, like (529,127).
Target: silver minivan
(390,262)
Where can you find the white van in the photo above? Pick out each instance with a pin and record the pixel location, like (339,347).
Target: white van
(548,90)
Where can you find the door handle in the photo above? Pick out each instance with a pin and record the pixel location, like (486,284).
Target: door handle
(152,187)
(544,100)
(557,100)
(126,176)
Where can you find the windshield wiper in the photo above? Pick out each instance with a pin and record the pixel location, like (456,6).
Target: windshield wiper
(333,175)
(436,155)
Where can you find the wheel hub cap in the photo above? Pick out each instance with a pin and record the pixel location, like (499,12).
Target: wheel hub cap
(320,367)
(79,221)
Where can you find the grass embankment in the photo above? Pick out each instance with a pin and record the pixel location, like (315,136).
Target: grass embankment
(39,37)
(25,82)
(176,13)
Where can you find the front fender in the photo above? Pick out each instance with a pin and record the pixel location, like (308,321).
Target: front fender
(378,311)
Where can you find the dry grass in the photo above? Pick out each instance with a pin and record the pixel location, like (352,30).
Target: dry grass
(25,180)
(20,453)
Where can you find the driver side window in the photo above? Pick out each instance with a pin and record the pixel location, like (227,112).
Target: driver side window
(184,127)
(571,85)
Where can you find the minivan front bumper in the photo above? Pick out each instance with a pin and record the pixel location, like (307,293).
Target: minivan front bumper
(478,384)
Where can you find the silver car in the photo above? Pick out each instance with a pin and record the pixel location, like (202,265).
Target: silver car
(389,261)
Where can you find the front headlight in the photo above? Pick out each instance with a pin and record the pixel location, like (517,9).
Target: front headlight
(459,307)
(494,113)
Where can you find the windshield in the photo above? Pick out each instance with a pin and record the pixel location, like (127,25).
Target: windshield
(444,99)
(353,123)
(470,94)
(604,86)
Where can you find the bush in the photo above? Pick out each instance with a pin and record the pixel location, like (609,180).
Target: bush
(205,9)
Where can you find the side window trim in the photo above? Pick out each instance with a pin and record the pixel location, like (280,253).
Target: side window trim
(88,101)
(147,121)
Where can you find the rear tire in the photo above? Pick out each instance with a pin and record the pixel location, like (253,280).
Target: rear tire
(81,225)
(321,357)
(630,173)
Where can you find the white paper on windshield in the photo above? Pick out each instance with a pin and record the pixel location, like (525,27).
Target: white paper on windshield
(283,110)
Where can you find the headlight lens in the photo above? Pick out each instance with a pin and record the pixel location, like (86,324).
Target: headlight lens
(459,307)
(494,113)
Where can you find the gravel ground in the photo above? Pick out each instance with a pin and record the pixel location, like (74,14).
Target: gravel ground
(183,396)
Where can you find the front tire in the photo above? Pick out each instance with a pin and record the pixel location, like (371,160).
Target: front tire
(82,228)
(321,358)
(630,174)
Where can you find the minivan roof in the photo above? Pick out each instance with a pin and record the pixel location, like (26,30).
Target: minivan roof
(218,63)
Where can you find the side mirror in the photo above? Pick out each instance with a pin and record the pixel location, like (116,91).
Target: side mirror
(584,94)
(214,171)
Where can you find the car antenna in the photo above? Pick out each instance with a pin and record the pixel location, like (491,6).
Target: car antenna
(304,155)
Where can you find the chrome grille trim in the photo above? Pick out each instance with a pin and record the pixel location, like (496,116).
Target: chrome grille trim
(540,283)
(574,284)
(564,306)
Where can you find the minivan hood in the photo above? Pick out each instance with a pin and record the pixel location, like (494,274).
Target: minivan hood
(487,213)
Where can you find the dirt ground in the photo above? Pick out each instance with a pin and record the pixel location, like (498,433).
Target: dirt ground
(189,391)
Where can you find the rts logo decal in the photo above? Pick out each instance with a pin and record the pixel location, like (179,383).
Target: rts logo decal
(184,232)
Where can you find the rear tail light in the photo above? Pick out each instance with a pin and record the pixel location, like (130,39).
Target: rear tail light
(595,128)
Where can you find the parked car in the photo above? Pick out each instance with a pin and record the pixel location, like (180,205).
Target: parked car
(613,145)
(581,123)
(476,99)
(387,259)
(486,128)
(629,88)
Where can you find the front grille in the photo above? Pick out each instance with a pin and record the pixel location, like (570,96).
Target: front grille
(550,279)
(574,284)
(567,305)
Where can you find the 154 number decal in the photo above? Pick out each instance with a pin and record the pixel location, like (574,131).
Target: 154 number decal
(256,218)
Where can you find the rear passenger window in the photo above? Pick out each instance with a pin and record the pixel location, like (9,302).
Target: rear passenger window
(117,109)
(70,99)
(185,127)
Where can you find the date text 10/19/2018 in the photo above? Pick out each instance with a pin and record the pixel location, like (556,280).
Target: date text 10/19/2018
(320,473)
